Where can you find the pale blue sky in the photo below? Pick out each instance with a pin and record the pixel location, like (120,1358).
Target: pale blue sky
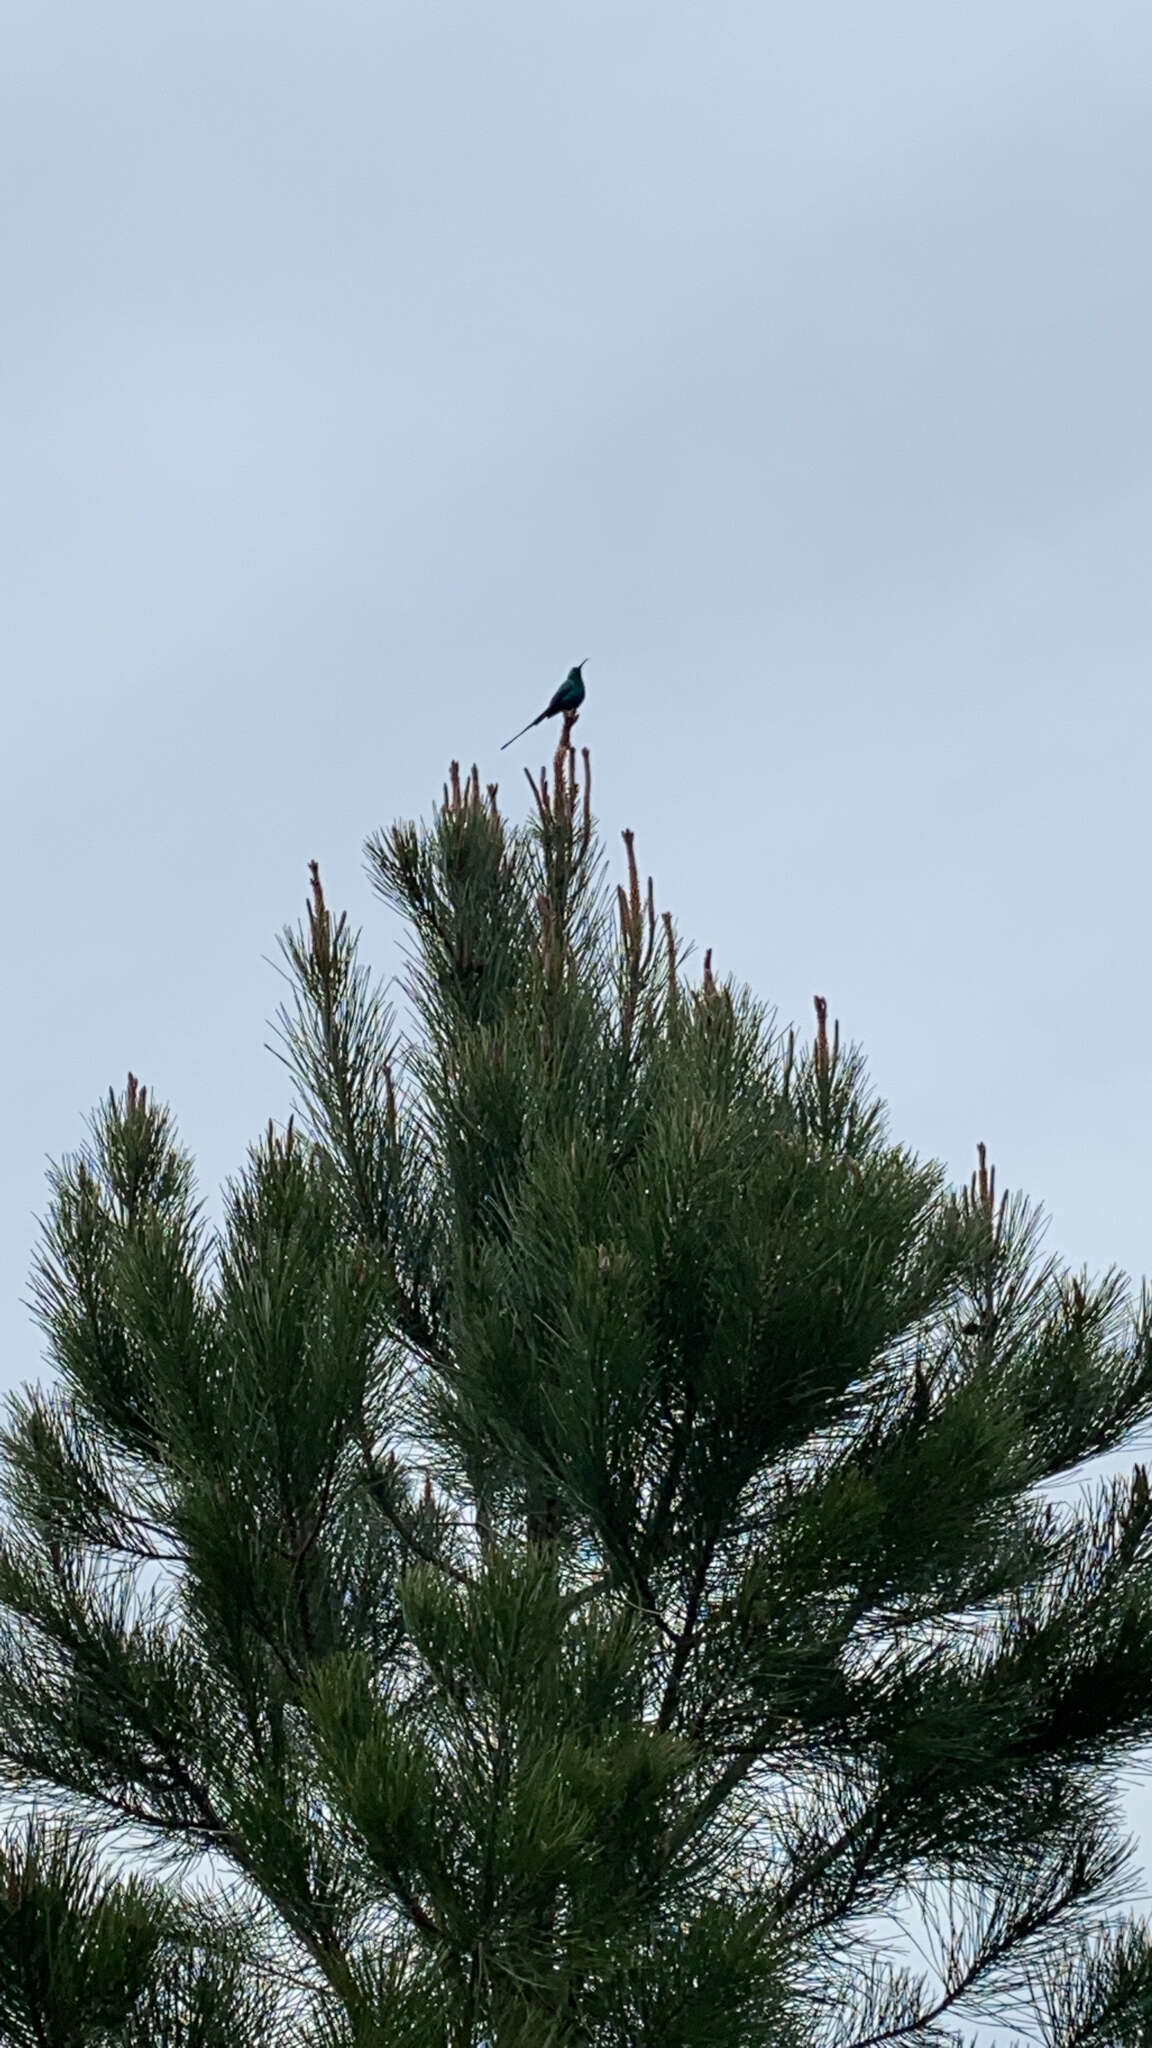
(366,365)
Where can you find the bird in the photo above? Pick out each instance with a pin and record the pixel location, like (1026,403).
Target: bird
(568,697)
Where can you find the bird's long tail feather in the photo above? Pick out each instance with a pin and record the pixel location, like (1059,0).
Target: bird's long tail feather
(525,728)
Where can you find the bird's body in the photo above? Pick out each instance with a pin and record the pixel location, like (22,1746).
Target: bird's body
(569,697)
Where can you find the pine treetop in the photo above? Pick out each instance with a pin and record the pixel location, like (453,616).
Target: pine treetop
(569,1557)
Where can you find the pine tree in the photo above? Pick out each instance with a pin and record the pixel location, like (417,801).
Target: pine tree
(572,1558)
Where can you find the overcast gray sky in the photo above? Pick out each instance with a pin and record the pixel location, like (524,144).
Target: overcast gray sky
(366,365)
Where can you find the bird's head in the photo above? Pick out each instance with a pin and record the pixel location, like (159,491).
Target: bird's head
(574,673)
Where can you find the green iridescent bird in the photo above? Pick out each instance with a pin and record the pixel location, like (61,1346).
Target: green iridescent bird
(568,697)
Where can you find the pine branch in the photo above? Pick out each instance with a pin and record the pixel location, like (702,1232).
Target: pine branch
(412,1542)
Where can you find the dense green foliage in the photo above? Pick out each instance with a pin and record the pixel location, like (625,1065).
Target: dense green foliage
(571,1559)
